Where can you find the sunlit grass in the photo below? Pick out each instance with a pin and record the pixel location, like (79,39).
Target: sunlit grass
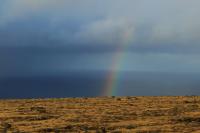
(103,114)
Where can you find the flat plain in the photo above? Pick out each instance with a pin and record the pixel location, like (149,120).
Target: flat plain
(101,115)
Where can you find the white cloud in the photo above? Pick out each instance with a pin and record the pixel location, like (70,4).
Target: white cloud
(13,10)
(108,31)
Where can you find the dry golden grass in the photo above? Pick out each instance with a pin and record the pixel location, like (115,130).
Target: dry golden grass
(99,115)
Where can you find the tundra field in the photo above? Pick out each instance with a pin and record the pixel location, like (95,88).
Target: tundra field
(101,115)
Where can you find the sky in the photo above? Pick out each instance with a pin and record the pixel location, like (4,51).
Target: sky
(51,37)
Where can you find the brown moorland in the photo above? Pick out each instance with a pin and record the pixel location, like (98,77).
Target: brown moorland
(101,115)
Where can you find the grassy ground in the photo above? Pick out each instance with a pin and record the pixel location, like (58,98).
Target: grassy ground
(99,115)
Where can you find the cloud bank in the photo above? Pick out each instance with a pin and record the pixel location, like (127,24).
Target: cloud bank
(52,32)
(107,22)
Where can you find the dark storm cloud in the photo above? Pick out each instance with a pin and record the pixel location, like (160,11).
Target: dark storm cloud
(46,35)
(107,22)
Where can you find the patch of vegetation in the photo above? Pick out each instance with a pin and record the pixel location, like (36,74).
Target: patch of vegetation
(39,109)
(189,119)
(6,126)
(131,126)
(176,110)
(149,131)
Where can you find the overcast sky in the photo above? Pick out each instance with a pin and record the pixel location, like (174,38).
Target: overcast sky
(51,36)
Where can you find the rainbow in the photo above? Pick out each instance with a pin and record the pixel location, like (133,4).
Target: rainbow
(112,80)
